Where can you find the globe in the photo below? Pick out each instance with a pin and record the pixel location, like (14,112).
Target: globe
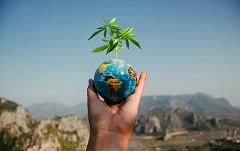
(115,80)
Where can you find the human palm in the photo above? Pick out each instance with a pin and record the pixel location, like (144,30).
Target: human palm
(117,118)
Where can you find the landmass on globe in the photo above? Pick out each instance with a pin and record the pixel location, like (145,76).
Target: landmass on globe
(115,80)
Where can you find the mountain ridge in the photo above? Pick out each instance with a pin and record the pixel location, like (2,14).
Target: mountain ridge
(199,102)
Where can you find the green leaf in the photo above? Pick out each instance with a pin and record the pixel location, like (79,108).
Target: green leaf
(112,20)
(111,32)
(115,40)
(112,48)
(94,34)
(105,20)
(106,41)
(111,42)
(131,35)
(100,28)
(118,35)
(105,33)
(114,26)
(125,30)
(99,49)
(119,47)
(116,32)
(127,43)
(135,43)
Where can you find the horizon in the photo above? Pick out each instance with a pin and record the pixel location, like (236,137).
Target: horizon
(74,104)
(187,48)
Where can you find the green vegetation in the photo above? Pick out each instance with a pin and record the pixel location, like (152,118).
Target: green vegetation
(65,144)
(224,146)
(230,122)
(8,105)
(52,130)
(114,36)
(7,143)
(192,148)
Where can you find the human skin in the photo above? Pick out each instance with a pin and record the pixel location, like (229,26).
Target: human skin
(111,124)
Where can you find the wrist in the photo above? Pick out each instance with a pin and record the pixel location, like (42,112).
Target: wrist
(106,140)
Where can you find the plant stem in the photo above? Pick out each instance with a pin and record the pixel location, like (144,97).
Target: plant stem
(116,53)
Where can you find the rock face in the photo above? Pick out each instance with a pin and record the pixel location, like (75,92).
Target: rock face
(173,120)
(168,122)
(59,133)
(16,125)
(148,125)
(20,131)
(13,115)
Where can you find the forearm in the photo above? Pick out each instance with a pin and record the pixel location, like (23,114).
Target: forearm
(107,141)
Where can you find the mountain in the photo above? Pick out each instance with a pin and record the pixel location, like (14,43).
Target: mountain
(167,122)
(43,110)
(200,103)
(65,133)
(16,124)
(20,131)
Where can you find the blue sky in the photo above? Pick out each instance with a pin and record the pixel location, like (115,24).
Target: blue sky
(187,47)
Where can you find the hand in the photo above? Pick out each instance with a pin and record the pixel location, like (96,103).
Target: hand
(111,124)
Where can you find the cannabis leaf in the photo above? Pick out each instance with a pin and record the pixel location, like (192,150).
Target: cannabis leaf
(114,36)
(99,49)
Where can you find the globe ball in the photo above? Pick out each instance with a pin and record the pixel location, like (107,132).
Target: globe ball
(115,80)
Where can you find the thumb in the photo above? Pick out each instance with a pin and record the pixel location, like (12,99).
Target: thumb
(91,92)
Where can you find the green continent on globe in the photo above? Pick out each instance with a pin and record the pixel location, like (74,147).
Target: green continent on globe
(115,80)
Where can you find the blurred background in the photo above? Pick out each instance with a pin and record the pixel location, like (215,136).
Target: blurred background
(191,50)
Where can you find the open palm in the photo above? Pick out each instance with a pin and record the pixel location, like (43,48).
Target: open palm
(117,118)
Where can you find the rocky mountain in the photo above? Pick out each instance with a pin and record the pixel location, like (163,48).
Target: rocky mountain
(200,103)
(66,133)
(20,131)
(43,110)
(172,121)
(16,125)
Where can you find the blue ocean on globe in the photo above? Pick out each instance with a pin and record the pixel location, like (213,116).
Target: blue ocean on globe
(115,80)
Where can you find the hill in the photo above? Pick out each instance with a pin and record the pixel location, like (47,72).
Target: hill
(167,122)
(20,131)
(200,103)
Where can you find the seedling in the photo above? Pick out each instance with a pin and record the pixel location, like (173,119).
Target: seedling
(115,79)
(115,37)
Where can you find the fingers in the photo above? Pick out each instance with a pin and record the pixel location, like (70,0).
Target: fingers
(140,86)
(129,108)
(91,93)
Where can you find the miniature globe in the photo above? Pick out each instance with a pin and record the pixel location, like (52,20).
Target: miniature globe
(115,80)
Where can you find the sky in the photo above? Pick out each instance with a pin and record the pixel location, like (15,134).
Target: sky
(187,47)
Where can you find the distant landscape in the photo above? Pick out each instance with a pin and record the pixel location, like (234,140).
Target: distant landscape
(167,122)
(199,102)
